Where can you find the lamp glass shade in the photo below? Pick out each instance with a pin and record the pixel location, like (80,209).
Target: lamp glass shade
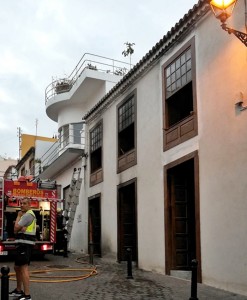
(222,9)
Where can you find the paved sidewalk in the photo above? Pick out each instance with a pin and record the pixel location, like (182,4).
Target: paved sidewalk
(111,284)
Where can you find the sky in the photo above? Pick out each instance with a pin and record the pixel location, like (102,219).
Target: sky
(45,39)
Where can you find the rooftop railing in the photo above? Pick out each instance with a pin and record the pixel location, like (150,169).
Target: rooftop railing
(88,61)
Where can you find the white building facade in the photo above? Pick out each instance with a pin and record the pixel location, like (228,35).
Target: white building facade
(163,156)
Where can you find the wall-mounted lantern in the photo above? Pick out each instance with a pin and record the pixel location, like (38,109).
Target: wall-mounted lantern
(222,10)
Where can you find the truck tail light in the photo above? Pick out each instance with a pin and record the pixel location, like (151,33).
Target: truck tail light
(46,247)
(1,248)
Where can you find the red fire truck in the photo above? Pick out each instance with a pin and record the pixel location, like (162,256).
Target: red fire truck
(44,203)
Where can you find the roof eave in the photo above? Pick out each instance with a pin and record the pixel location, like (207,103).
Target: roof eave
(184,25)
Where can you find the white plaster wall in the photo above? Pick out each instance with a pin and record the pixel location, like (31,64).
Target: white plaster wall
(87,91)
(150,199)
(150,194)
(70,114)
(108,187)
(98,92)
(73,113)
(80,222)
(110,84)
(221,75)
(221,62)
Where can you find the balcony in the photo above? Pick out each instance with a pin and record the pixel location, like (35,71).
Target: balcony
(90,80)
(63,153)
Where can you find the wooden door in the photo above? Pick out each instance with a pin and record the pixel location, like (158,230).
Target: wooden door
(182,215)
(127,225)
(94,224)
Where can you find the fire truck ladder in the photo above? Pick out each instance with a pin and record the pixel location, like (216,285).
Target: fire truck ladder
(72,200)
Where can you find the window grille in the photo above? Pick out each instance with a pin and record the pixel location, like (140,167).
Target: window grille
(178,73)
(126,114)
(96,138)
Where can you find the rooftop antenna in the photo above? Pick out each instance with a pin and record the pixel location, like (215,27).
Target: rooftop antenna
(36,125)
(19,140)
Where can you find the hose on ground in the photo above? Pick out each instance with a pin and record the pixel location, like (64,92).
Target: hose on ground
(84,257)
(49,279)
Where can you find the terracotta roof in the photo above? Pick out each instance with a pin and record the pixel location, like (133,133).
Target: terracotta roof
(168,40)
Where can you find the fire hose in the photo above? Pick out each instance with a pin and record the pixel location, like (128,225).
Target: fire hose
(59,278)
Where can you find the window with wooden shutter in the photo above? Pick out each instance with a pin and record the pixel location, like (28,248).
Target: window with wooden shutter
(180,115)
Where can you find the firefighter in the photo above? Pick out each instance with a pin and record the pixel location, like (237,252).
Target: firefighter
(25,228)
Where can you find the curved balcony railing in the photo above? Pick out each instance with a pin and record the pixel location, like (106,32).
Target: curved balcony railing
(71,138)
(88,61)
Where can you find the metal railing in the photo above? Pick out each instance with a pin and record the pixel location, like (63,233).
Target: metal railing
(88,61)
(71,138)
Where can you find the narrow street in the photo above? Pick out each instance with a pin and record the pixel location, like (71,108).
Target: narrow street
(109,283)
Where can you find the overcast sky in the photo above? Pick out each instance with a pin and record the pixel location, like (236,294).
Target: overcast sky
(41,39)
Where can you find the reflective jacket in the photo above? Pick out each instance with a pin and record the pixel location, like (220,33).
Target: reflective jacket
(29,236)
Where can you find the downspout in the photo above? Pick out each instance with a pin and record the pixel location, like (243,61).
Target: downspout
(85,186)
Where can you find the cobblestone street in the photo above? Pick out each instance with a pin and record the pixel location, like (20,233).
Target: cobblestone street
(110,283)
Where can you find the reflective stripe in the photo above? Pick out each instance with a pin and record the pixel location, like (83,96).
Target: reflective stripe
(25,242)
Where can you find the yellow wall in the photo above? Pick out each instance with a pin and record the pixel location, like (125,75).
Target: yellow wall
(28,141)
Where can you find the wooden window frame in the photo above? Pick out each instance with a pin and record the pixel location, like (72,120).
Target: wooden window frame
(186,128)
(129,158)
(96,176)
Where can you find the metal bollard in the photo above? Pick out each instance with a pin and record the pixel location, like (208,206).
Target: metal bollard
(91,250)
(129,263)
(194,264)
(5,283)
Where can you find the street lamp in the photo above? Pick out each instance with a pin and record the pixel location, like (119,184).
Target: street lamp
(222,10)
